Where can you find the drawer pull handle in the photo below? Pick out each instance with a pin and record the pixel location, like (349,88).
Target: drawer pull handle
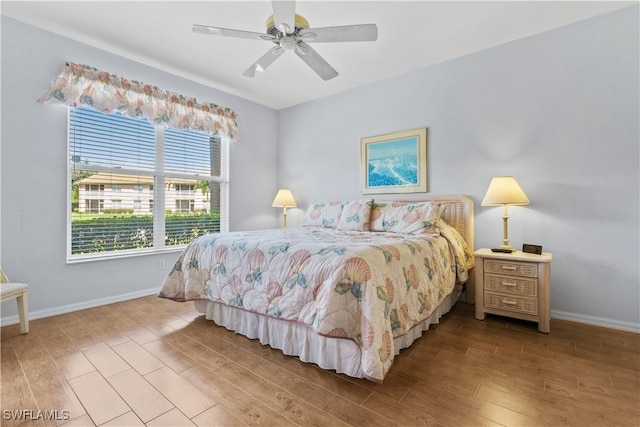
(509,267)
(509,302)
(513,285)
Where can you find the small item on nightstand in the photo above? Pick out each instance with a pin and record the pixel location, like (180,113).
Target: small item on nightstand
(532,249)
(502,250)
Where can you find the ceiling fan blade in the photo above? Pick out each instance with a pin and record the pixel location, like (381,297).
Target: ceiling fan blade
(347,33)
(217,31)
(284,15)
(315,61)
(265,60)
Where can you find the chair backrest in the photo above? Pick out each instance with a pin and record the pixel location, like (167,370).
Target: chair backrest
(3,278)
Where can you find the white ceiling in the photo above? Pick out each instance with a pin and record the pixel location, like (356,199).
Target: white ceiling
(411,35)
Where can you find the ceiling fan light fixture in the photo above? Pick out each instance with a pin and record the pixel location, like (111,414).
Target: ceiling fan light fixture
(308,36)
(287,43)
(284,28)
(302,50)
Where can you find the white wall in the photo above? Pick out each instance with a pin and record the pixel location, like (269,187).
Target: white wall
(33,170)
(559,111)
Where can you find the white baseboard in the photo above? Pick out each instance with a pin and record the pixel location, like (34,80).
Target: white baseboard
(596,321)
(12,320)
(33,315)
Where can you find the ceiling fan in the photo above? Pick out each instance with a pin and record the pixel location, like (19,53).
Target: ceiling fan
(289,31)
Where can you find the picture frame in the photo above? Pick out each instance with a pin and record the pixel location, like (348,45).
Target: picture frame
(394,162)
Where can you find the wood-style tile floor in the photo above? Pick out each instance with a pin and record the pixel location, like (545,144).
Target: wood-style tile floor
(156,362)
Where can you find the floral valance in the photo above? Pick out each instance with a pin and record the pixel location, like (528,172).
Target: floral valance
(80,85)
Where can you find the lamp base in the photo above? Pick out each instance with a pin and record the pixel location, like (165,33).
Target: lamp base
(504,249)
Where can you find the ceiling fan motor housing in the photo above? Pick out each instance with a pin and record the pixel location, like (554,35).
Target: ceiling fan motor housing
(300,24)
(287,40)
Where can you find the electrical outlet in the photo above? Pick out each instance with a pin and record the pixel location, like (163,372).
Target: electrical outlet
(161,264)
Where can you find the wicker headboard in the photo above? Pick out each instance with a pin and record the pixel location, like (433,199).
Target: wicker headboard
(458,213)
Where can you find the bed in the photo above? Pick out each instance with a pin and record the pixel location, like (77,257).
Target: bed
(359,281)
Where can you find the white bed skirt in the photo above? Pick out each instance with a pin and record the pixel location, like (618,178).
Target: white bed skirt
(296,339)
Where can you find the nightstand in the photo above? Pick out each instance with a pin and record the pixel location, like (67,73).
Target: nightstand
(513,285)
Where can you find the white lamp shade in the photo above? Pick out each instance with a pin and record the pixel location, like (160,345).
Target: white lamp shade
(504,190)
(284,199)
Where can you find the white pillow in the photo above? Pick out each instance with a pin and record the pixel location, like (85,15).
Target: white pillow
(356,215)
(406,217)
(323,214)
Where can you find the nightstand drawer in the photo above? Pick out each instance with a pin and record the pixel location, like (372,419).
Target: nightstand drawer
(511,303)
(512,285)
(527,269)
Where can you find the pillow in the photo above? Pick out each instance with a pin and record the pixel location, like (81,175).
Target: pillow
(406,217)
(323,214)
(356,215)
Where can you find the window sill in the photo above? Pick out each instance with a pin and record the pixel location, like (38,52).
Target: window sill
(107,256)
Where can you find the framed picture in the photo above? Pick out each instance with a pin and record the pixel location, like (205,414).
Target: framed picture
(394,162)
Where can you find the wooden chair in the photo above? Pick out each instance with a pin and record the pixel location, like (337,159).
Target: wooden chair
(19,292)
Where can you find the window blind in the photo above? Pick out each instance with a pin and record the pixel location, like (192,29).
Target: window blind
(111,140)
(117,178)
(112,160)
(192,168)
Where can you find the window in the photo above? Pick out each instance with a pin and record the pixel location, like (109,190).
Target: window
(94,205)
(185,205)
(163,187)
(184,188)
(94,188)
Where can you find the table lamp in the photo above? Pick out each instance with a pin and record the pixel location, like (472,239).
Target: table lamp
(284,199)
(505,191)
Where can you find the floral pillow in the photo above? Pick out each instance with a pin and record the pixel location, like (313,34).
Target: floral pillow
(356,215)
(406,217)
(323,214)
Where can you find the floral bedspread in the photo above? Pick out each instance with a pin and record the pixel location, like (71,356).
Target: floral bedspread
(366,286)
